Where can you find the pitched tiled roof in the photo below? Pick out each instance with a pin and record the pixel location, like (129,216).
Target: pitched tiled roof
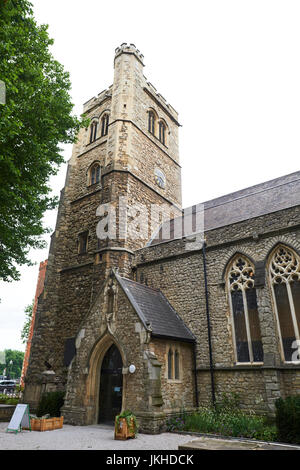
(155,311)
(261,199)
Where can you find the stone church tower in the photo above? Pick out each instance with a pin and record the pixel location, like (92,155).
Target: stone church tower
(136,315)
(123,180)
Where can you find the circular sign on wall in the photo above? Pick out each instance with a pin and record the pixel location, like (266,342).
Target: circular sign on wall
(160,178)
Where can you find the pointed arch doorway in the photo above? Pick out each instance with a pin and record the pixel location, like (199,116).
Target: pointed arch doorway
(111,386)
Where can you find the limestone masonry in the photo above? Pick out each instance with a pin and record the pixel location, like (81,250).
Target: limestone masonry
(151,308)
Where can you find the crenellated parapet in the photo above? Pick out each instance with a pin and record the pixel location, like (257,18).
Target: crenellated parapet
(129,49)
(97,100)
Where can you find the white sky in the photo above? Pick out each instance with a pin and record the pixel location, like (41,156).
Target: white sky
(229,67)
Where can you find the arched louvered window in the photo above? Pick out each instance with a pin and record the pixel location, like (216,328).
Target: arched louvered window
(243,306)
(151,122)
(170,364)
(93,131)
(104,125)
(94,174)
(284,277)
(162,132)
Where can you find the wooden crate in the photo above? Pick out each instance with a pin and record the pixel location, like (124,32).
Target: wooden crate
(123,431)
(46,424)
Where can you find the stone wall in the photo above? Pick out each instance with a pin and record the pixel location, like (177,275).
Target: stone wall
(142,389)
(179,274)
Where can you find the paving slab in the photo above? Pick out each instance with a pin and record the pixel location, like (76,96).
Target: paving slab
(206,443)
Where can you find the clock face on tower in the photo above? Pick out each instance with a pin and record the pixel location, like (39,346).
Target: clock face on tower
(160,178)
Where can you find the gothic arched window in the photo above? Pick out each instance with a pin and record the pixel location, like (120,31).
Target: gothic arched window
(94,174)
(93,132)
(284,276)
(151,122)
(104,125)
(162,132)
(243,305)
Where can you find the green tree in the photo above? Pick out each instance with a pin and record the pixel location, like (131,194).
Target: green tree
(35,119)
(26,327)
(13,363)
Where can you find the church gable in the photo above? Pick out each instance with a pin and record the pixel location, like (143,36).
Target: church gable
(155,312)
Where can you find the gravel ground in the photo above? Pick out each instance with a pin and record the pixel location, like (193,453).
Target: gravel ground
(97,437)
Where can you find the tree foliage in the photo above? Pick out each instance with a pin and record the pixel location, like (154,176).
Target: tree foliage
(26,327)
(35,119)
(13,363)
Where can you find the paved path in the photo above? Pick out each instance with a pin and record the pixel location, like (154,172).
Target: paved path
(97,437)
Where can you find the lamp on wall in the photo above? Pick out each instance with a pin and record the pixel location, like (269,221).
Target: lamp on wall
(131,368)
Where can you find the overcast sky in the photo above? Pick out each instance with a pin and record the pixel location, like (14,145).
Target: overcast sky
(229,67)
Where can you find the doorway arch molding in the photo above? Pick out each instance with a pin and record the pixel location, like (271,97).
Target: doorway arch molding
(94,365)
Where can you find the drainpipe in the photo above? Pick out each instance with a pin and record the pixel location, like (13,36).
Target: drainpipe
(208,327)
(195,376)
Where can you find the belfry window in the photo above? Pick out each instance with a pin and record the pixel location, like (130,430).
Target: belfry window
(244,312)
(284,276)
(104,125)
(93,132)
(162,133)
(151,122)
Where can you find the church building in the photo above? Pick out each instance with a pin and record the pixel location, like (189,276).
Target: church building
(150,307)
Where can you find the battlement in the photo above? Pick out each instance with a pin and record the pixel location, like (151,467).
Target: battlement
(97,100)
(129,49)
(163,102)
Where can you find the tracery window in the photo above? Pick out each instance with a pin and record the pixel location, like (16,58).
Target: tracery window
(93,132)
(284,276)
(104,125)
(243,305)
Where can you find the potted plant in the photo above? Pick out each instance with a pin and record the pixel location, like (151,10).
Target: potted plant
(48,416)
(125,425)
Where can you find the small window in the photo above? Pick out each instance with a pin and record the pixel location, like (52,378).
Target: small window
(104,125)
(151,121)
(176,365)
(83,242)
(170,364)
(162,133)
(110,300)
(93,133)
(94,174)
(173,365)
